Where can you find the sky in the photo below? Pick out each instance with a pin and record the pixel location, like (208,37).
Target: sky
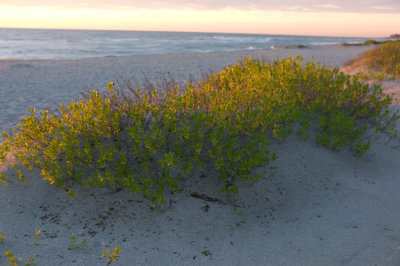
(357,18)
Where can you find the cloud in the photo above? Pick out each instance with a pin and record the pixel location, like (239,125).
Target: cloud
(358,6)
(328,6)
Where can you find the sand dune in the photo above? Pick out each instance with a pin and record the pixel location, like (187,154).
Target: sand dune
(318,208)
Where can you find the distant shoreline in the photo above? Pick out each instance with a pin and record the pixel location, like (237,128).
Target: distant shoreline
(76,44)
(258,50)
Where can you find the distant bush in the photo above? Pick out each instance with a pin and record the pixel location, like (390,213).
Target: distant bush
(368,42)
(149,140)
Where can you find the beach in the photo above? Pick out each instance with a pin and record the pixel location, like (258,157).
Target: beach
(318,207)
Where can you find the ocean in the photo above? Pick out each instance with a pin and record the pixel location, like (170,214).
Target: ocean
(71,44)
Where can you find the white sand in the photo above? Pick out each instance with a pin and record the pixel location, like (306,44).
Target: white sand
(318,208)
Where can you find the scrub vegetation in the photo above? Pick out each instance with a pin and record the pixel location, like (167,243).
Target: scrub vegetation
(148,140)
(383,59)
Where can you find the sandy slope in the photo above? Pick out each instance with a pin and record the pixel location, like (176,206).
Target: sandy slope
(318,208)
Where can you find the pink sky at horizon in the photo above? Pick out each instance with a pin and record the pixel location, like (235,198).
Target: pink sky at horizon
(368,18)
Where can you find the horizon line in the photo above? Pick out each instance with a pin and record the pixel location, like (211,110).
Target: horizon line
(205,32)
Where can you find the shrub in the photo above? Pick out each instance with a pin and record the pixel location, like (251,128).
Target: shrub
(149,140)
(368,42)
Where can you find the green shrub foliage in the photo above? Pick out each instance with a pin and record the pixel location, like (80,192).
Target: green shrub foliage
(149,140)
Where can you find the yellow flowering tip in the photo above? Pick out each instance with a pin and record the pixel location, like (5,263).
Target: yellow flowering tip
(110,86)
(32,110)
